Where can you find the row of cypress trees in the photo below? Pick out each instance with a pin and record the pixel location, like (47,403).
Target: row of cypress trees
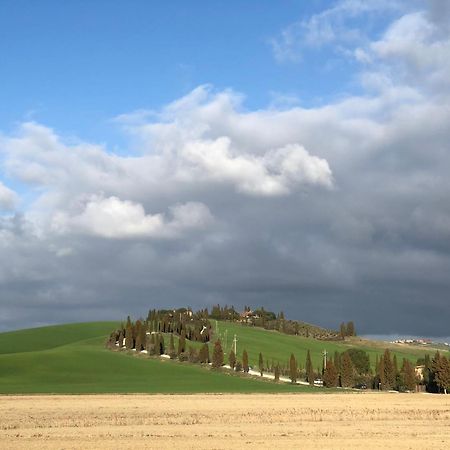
(345,370)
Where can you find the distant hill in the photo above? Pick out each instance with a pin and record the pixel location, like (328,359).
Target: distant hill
(73,359)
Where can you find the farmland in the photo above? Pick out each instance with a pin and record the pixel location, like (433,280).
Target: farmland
(81,364)
(314,421)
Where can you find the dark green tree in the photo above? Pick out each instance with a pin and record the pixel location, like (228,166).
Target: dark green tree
(162,344)
(204,354)
(441,372)
(121,338)
(347,379)
(172,352)
(330,375)
(261,364)
(407,376)
(129,337)
(232,359)
(381,374)
(182,343)
(277,373)
(217,357)
(389,371)
(309,369)
(151,345)
(427,370)
(360,360)
(293,369)
(351,329)
(245,366)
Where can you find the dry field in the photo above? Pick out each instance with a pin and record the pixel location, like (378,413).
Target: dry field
(366,420)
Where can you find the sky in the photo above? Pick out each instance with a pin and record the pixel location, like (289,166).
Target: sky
(292,155)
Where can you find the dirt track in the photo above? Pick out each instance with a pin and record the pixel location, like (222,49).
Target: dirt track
(388,421)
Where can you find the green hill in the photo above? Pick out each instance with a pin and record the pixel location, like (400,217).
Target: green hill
(278,346)
(73,359)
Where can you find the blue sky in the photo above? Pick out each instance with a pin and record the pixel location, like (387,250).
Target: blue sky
(74,65)
(288,154)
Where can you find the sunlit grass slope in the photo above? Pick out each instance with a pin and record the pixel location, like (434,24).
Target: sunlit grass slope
(44,338)
(279,346)
(72,359)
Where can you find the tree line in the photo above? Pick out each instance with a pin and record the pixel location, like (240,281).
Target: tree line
(347,369)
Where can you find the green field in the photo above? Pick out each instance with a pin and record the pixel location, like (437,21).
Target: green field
(279,346)
(72,359)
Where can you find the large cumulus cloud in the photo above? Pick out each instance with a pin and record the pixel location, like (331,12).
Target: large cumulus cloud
(330,213)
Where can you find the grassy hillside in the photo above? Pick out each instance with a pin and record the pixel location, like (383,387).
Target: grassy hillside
(278,346)
(44,338)
(72,359)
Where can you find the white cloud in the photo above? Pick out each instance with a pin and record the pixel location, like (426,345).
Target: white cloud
(114,218)
(274,173)
(331,26)
(8,198)
(417,50)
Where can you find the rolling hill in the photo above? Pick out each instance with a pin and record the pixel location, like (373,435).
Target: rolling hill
(72,358)
(278,346)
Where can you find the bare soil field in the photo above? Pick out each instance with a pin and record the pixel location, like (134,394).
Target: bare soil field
(316,421)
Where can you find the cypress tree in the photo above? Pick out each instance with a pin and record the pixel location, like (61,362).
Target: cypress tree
(204,354)
(121,338)
(381,374)
(172,352)
(408,375)
(427,371)
(137,336)
(182,343)
(162,345)
(261,364)
(346,371)
(157,347)
(441,372)
(309,369)
(217,357)
(151,345)
(343,330)
(293,369)
(232,359)
(138,343)
(129,337)
(245,367)
(277,373)
(351,329)
(389,371)
(330,375)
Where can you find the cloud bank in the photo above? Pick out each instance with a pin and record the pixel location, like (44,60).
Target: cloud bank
(338,212)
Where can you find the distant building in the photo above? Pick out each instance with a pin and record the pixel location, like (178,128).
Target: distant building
(419,372)
(248,316)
